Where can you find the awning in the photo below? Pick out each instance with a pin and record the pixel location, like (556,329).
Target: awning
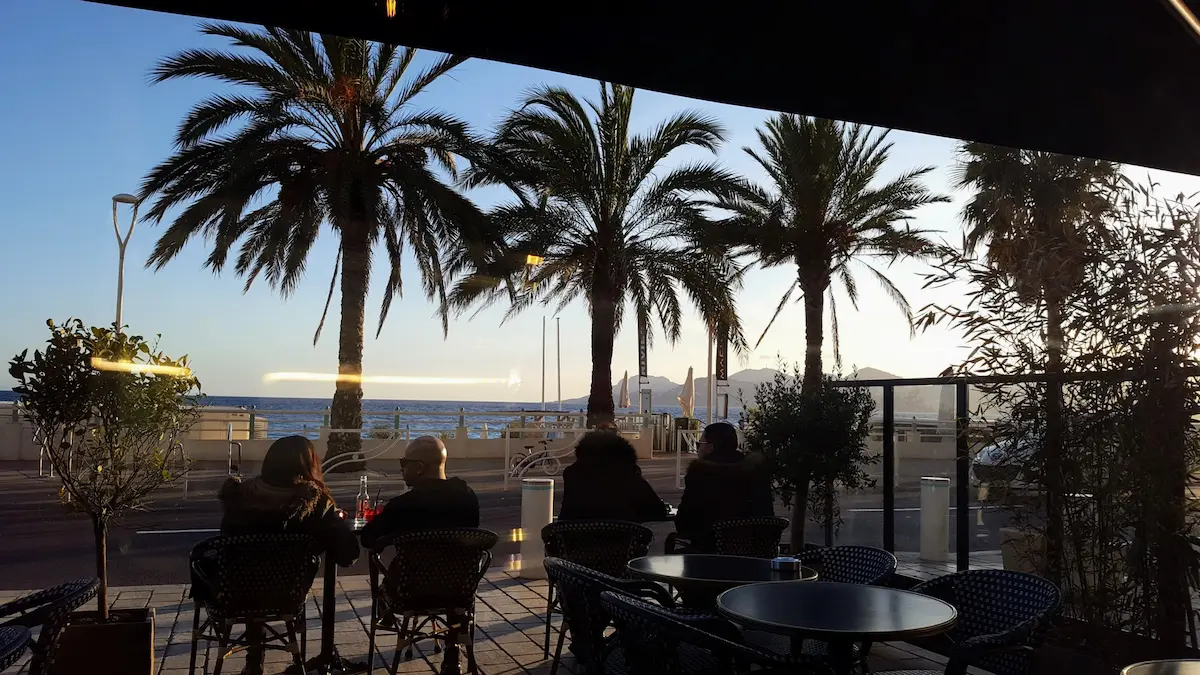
(1113,79)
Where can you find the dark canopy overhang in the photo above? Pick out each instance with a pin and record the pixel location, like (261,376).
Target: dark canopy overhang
(1113,79)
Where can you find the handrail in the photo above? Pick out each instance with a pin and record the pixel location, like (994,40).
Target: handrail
(690,437)
(235,467)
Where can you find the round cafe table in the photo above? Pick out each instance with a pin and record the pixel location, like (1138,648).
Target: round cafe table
(1166,667)
(840,614)
(699,578)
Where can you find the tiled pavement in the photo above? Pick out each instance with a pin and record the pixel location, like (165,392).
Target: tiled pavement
(508,642)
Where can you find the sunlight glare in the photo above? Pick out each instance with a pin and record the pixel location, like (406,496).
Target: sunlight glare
(388,379)
(140,368)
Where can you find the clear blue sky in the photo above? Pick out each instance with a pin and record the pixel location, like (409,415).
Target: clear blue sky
(81,122)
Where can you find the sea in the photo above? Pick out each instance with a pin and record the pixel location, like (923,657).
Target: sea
(305,415)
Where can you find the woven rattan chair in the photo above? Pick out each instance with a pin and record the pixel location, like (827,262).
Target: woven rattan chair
(579,591)
(427,588)
(252,579)
(602,545)
(13,642)
(751,537)
(1002,617)
(656,640)
(49,608)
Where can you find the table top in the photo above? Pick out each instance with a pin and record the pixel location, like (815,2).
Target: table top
(837,611)
(1167,667)
(691,568)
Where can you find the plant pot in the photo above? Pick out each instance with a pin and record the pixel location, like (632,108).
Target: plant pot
(124,644)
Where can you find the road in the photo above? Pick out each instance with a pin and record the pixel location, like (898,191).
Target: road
(43,543)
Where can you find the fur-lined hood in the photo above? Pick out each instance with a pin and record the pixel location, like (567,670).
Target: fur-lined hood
(295,502)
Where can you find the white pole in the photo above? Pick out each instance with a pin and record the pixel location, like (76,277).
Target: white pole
(708,385)
(558,350)
(537,511)
(935,518)
(543,364)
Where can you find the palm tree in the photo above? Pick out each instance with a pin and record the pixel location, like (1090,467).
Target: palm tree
(611,223)
(1034,210)
(324,131)
(825,209)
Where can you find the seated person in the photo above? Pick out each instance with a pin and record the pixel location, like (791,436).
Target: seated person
(606,483)
(722,483)
(431,501)
(289,496)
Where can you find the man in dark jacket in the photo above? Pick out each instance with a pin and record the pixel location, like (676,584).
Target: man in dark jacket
(722,483)
(432,499)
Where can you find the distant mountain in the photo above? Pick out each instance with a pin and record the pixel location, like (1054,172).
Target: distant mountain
(925,399)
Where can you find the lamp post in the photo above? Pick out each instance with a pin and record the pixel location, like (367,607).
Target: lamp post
(122,198)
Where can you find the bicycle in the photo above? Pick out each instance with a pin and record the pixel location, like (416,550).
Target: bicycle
(524,461)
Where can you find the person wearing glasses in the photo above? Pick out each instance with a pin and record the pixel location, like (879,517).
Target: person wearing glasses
(722,483)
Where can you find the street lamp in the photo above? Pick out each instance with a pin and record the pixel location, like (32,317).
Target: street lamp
(122,198)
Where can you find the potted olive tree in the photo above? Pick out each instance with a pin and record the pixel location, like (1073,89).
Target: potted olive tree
(810,445)
(111,412)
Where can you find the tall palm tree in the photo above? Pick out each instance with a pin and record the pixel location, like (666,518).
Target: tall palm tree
(611,222)
(324,131)
(1033,210)
(826,210)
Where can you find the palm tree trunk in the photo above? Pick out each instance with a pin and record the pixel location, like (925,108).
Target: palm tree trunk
(600,406)
(1054,482)
(346,411)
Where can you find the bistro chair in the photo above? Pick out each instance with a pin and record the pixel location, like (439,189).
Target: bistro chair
(252,579)
(656,640)
(1003,616)
(49,608)
(750,537)
(579,591)
(13,641)
(427,588)
(602,545)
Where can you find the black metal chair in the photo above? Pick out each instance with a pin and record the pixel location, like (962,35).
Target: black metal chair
(1002,617)
(13,641)
(656,640)
(429,583)
(49,608)
(602,545)
(579,589)
(751,537)
(253,580)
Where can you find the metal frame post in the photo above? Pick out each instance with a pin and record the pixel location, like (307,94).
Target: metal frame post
(962,477)
(889,468)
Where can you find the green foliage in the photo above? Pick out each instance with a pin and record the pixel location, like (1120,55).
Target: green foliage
(111,432)
(826,209)
(815,441)
(614,224)
(1129,445)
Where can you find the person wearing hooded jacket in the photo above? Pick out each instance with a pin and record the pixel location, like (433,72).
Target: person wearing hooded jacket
(289,496)
(605,482)
(722,483)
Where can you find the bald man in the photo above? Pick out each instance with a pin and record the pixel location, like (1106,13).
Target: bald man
(432,499)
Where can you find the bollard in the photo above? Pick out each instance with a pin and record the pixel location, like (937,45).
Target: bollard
(396,419)
(935,519)
(537,510)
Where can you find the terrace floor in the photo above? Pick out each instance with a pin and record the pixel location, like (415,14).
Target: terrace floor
(508,641)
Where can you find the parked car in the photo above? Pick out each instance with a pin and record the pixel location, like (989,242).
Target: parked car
(1005,463)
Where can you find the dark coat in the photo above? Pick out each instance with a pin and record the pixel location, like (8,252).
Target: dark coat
(429,504)
(253,507)
(600,489)
(722,486)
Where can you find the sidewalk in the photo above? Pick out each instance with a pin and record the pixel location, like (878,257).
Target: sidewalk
(508,641)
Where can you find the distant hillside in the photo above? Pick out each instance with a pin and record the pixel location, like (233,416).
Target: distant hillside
(922,399)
